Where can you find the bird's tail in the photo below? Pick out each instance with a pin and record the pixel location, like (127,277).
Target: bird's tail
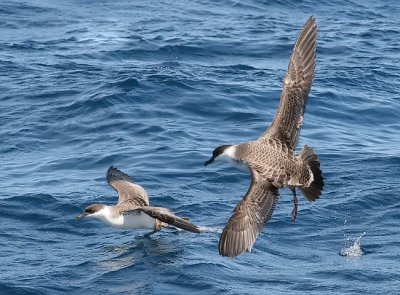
(314,190)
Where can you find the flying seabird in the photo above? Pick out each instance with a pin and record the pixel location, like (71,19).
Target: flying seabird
(132,210)
(271,159)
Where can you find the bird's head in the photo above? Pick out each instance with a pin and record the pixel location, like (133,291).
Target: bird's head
(91,211)
(221,153)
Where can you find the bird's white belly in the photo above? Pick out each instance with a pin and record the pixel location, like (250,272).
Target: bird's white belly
(132,220)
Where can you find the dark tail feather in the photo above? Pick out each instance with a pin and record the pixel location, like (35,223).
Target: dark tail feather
(313,191)
(167,216)
(184,223)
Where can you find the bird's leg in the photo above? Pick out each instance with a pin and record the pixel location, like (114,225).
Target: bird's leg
(150,233)
(294,212)
(159,226)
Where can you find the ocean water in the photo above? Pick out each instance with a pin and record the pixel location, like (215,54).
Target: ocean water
(152,87)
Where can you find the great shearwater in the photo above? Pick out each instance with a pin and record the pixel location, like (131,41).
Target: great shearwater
(271,159)
(133,210)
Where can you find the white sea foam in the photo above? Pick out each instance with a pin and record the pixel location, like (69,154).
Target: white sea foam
(354,250)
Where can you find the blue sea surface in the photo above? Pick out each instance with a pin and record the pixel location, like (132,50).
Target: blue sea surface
(152,87)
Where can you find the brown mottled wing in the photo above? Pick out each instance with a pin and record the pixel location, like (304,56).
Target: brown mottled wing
(169,217)
(296,87)
(250,217)
(130,195)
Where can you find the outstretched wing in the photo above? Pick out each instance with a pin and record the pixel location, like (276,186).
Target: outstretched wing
(250,217)
(167,216)
(130,195)
(296,87)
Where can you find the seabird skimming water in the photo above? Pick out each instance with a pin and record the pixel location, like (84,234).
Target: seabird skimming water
(272,159)
(132,210)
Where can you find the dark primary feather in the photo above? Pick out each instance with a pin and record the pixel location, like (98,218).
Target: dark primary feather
(169,217)
(296,87)
(249,218)
(130,195)
(113,174)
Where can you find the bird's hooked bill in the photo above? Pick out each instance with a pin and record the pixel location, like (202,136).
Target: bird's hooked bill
(81,216)
(209,161)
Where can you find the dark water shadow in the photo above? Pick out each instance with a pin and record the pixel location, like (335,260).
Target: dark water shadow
(144,250)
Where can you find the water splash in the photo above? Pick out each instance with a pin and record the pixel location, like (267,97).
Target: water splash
(206,229)
(203,229)
(354,250)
